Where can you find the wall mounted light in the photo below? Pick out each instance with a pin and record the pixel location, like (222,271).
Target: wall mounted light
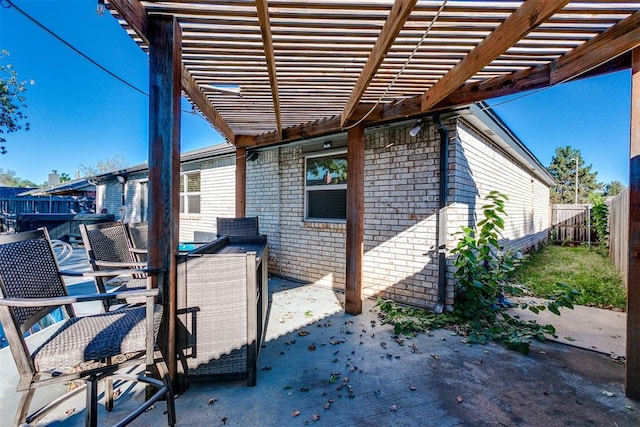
(327,144)
(417,128)
(121,179)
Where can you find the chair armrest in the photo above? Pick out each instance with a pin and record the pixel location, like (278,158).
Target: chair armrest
(55,301)
(138,251)
(108,273)
(119,264)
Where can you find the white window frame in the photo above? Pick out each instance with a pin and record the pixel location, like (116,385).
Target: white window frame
(184,194)
(327,153)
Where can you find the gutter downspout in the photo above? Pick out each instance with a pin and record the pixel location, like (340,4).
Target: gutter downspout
(442,214)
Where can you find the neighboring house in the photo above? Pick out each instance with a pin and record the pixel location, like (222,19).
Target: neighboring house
(298,191)
(207,182)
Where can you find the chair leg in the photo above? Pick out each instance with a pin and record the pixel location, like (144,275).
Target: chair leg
(108,394)
(91,419)
(23,407)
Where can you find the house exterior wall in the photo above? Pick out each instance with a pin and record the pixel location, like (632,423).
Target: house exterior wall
(480,167)
(311,251)
(217,198)
(401,208)
(400,212)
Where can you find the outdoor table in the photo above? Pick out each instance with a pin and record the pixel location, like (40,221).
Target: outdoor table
(222,307)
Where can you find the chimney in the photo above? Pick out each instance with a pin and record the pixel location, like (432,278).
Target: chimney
(54,178)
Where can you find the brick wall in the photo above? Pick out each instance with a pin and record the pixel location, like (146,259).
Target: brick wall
(400,213)
(304,250)
(217,199)
(481,167)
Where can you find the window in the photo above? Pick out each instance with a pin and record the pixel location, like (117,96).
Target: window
(190,193)
(326,187)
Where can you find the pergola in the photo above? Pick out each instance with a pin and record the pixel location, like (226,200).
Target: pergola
(268,72)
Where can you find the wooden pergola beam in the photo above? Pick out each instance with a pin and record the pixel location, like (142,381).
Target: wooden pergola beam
(621,38)
(528,16)
(398,15)
(136,16)
(267,42)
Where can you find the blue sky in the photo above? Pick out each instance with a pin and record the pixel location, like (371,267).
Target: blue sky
(80,115)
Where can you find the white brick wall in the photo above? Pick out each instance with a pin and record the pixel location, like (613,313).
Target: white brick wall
(481,167)
(217,197)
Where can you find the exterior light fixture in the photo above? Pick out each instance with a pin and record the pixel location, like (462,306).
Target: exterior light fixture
(417,128)
(327,144)
(121,179)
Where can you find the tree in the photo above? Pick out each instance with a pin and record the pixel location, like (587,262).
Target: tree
(563,169)
(12,102)
(8,179)
(613,188)
(64,177)
(114,163)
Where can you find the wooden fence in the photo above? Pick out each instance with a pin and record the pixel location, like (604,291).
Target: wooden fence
(619,232)
(571,224)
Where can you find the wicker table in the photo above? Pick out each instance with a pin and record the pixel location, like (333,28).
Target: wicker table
(222,308)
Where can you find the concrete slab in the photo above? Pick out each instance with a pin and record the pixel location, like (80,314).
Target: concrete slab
(320,366)
(590,328)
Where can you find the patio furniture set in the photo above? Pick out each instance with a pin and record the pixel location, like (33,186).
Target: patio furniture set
(222,297)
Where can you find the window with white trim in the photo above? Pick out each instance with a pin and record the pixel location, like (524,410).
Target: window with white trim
(325,186)
(190,193)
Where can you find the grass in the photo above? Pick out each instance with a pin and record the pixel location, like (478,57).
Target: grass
(584,268)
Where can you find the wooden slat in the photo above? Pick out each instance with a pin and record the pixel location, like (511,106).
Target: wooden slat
(267,41)
(136,16)
(619,39)
(392,26)
(516,26)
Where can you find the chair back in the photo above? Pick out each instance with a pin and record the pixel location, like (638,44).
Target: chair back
(139,234)
(28,269)
(107,241)
(237,226)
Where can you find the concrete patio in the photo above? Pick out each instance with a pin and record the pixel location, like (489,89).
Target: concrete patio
(320,366)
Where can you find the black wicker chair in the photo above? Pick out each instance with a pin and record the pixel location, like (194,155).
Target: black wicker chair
(90,348)
(109,246)
(245,227)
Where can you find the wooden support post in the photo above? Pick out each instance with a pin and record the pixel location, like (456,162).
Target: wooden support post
(241,181)
(633,269)
(164,169)
(355,219)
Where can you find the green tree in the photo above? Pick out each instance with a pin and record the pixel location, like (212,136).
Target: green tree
(114,163)
(64,177)
(12,102)
(563,169)
(613,188)
(8,178)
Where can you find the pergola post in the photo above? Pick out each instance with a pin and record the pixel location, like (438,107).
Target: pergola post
(164,168)
(633,288)
(355,219)
(241,181)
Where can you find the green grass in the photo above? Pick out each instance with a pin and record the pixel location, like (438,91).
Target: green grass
(583,268)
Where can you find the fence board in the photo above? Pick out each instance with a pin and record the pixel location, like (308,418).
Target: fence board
(571,223)
(619,232)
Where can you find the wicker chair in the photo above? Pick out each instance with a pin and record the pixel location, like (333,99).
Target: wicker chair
(139,237)
(237,226)
(109,246)
(90,348)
